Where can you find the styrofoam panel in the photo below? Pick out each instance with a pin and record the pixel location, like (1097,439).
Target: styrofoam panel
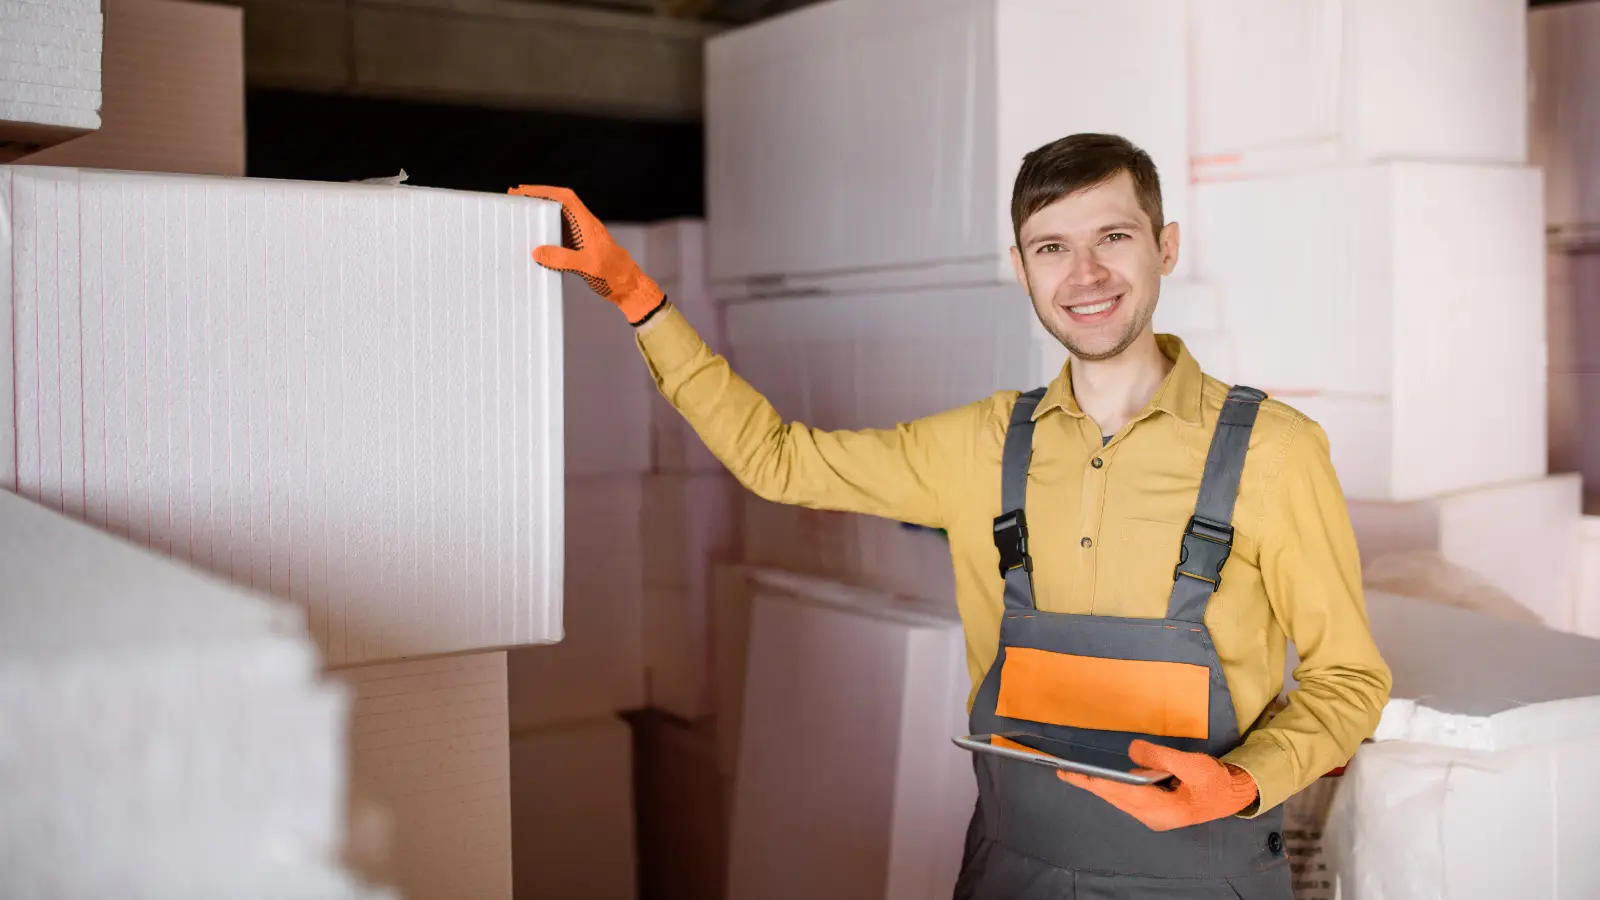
(51,36)
(1373,271)
(53,116)
(881,814)
(168,734)
(1279,86)
(1520,536)
(846,137)
(429,747)
(572,811)
(50,14)
(1488,724)
(608,388)
(241,375)
(1564,134)
(14,49)
(873,360)
(690,524)
(35,73)
(599,666)
(51,95)
(174,92)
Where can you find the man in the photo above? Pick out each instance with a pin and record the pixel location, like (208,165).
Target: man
(1132,545)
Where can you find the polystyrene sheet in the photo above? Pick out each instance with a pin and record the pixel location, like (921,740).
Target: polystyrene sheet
(344,395)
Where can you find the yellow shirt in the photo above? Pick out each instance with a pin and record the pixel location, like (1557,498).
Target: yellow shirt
(1104,538)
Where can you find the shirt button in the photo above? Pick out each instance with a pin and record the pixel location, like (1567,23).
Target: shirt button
(1098,462)
(1086,543)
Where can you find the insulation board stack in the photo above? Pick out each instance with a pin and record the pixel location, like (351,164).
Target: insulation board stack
(1345,151)
(1479,782)
(174,92)
(167,735)
(848,784)
(345,396)
(1565,142)
(49,73)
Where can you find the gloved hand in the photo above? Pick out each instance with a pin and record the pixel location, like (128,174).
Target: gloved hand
(1207,788)
(588,250)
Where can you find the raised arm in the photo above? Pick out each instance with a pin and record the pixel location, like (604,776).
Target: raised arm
(898,473)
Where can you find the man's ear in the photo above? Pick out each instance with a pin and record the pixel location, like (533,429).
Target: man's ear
(1169,248)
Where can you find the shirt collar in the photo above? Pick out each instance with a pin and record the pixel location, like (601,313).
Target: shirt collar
(1179,394)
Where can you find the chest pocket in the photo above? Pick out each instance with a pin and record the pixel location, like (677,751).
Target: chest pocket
(1139,565)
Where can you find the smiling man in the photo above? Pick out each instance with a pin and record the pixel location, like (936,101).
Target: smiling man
(1133,545)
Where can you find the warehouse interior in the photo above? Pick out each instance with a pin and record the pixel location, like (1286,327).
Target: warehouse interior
(345,552)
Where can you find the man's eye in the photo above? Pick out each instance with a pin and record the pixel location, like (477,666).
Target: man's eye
(1116,236)
(1050,248)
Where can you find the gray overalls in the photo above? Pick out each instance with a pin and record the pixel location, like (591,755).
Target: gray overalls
(1033,836)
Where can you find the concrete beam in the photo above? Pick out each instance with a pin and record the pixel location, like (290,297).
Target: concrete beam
(529,55)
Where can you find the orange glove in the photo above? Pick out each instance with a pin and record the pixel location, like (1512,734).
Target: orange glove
(588,250)
(1207,788)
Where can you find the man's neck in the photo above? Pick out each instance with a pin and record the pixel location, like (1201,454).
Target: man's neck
(1113,391)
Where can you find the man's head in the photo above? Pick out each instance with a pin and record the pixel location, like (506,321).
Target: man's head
(1091,244)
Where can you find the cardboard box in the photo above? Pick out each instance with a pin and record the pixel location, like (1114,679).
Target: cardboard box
(1564,134)
(430,772)
(1285,86)
(167,735)
(598,666)
(882,813)
(1479,781)
(1357,315)
(1520,536)
(247,376)
(850,139)
(572,812)
(174,91)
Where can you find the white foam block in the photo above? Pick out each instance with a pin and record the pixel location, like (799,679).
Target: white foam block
(51,95)
(51,36)
(881,814)
(344,395)
(1279,86)
(1573,310)
(55,15)
(35,73)
(1518,535)
(690,525)
(572,812)
(1480,783)
(1564,134)
(25,113)
(848,136)
(429,750)
(1372,269)
(598,667)
(166,733)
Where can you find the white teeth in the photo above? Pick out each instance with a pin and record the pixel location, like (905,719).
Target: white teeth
(1093,308)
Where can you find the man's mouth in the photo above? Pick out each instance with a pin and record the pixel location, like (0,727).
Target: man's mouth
(1096,308)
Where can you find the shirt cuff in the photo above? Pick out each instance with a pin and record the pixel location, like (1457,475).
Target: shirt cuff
(1272,771)
(667,340)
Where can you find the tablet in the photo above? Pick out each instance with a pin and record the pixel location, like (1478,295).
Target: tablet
(1065,755)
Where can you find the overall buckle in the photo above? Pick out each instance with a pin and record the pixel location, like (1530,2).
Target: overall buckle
(1205,549)
(1011,539)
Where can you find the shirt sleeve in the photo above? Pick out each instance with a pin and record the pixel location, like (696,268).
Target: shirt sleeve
(1312,573)
(898,473)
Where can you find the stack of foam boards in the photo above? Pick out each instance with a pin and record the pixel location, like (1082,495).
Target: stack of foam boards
(174,92)
(1588,578)
(343,395)
(1479,782)
(167,735)
(347,396)
(1565,141)
(890,142)
(848,785)
(49,73)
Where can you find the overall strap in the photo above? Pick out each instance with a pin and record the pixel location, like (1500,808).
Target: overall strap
(1208,539)
(1011,526)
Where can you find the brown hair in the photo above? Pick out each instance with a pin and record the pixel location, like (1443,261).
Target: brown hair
(1080,161)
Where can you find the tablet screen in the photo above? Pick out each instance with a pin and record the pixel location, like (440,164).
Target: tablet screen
(1043,746)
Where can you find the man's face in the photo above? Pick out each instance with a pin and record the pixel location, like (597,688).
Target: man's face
(1093,267)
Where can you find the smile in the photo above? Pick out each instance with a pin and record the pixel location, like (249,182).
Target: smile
(1094,309)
